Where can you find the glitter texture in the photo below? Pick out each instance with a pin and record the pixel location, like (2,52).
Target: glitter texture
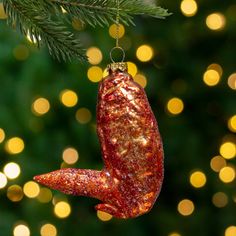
(132,152)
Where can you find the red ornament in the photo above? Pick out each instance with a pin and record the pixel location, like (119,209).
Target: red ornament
(131,147)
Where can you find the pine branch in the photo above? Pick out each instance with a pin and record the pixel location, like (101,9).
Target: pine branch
(42,20)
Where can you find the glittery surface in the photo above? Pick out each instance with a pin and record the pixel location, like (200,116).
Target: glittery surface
(132,152)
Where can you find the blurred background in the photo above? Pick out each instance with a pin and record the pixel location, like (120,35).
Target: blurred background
(187,65)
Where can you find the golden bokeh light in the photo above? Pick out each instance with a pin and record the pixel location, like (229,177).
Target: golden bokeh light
(185,207)
(48,230)
(21,52)
(83,115)
(232,81)
(15,193)
(216,67)
(198,179)
(68,98)
(77,24)
(141,80)
(70,156)
(228,150)
(3,14)
(211,77)
(40,106)
(21,230)
(3,180)
(189,7)
(94,55)
(14,145)
(175,106)
(174,234)
(95,74)
(232,123)
(2,135)
(216,21)
(113,31)
(103,216)
(230,231)
(217,163)
(45,195)
(220,199)
(62,209)
(132,68)
(227,174)
(144,53)
(31,189)
(11,170)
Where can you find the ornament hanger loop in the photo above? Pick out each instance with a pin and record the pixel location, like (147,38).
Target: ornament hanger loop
(117,48)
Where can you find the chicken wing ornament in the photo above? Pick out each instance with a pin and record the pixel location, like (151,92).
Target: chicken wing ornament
(131,145)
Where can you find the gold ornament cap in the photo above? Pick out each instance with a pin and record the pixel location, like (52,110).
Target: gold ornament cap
(122,66)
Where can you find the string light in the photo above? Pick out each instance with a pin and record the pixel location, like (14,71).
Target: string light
(144,53)
(132,68)
(186,207)
(216,21)
(113,31)
(40,106)
(45,195)
(141,80)
(48,230)
(62,209)
(70,156)
(198,179)
(211,77)
(217,163)
(31,189)
(14,145)
(175,106)
(232,123)
(174,234)
(230,231)
(103,216)
(232,81)
(3,180)
(220,199)
(83,116)
(12,170)
(21,230)
(216,67)
(2,135)
(21,52)
(94,55)
(189,7)
(227,174)
(228,150)
(95,74)
(15,193)
(68,98)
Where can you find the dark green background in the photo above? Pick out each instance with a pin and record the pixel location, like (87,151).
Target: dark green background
(184,48)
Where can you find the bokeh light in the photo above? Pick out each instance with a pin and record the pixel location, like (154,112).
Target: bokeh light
(132,68)
(228,150)
(2,135)
(144,53)
(70,156)
(48,230)
(68,98)
(216,67)
(174,234)
(15,193)
(103,216)
(3,180)
(45,195)
(21,52)
(62,209)
(216,21)
(14,145)
(230,231)
(227,174)
(232,81)
(175,106)
(198,179)
(186,207)
(220,199)
(31,189)
(12,170)
(83,116)
(21,230)
(211,77)
(113,31)
(141,80)
(95,74)
(40,106)
(77,24)
(94,55)
(217,163)
(188,7)
(232,123)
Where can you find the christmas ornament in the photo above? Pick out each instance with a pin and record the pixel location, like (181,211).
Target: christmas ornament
(132,176)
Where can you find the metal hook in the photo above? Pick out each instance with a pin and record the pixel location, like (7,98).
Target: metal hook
(117,48)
